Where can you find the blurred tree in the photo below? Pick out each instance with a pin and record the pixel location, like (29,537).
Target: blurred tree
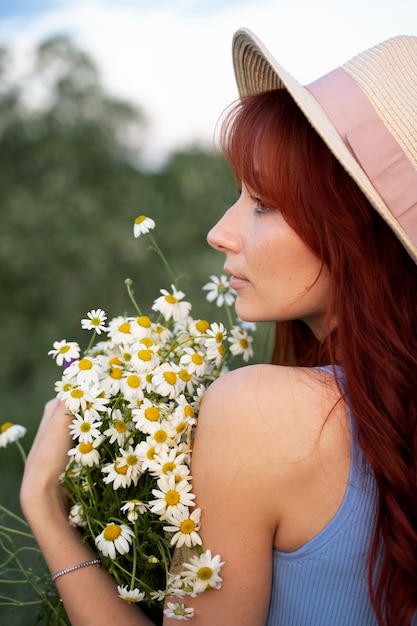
(71,185)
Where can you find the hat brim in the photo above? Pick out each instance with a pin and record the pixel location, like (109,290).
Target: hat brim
(256,71)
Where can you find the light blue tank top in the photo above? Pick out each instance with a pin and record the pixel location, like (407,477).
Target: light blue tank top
(324,583)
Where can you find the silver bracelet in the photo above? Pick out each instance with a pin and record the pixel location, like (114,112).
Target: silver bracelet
(67,570)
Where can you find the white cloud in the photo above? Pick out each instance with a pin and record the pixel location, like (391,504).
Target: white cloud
(173,58)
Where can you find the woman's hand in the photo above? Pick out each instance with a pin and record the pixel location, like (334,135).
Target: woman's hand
(46,461)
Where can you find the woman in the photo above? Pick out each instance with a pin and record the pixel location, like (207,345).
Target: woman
(309,495)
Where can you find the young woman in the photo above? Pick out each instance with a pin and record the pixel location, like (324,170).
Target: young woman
(309,494)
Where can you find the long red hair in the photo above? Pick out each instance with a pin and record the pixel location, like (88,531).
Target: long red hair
(373,296)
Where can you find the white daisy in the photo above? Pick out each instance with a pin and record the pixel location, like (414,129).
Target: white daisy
(130,595)
(115,537)
(171,496)
(143,225)
(178,610)
(118,430)
(146,413)
(134,508)
(75,398)
(85,428)
(84,370)
(117,474)
(145,357)
(202,572)
(166,381)
(220,291)
(146,451)
(86,453)
(95,321)
(169,462)
(241,343)
(193,361)
(76,516)
(170,305)
(65,351)
(120,329)
(185,525)
(131,459)
(141,327)
(131,386)
(10,433)
(214,343)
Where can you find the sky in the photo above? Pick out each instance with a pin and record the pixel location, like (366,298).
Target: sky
(173,57)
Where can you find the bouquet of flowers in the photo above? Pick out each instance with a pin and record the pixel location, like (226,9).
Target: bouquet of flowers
(134,396)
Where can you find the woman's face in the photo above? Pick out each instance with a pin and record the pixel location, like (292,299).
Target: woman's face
(275,275)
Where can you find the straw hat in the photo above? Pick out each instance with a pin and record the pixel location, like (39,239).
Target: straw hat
(365,111)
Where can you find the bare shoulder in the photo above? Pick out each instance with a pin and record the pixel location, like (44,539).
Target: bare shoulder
(283,434)
(279,398)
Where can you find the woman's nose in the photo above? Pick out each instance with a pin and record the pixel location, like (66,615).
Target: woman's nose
(223,235)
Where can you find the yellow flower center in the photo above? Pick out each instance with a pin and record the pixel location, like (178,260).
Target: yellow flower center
(116,373)
(140,219)
(85,448)
(244,343)
(184,375)
(120,469)
(144,321)
(160,436)
(168,467)
(152,413)
(6,426)
(85,427)
(124,327)
(147,341)
(187,526)
(77,393)
(170,299)
(222,350)
(151,453)
(120,426)
(170,377)
(172,497)
(66,387)
(219,337)
(132,459)
(64,349)
(202,326)
(145,355)
(115,361)
(130,599)
(133,381)
(197,359)
(85,364)
(188,411)
(112,532)
(205,573)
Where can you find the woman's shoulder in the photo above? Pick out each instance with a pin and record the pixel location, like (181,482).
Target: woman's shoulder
(273,385)
(284,433)
(292,402)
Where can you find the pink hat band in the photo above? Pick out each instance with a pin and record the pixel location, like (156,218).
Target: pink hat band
(371,143)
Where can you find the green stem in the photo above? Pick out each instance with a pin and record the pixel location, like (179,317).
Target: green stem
(161,255)
(16,517)
(128,283)
(22,451)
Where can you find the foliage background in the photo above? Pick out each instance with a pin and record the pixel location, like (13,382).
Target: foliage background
(71,184)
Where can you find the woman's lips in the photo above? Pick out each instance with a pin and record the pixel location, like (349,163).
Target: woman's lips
(237,282)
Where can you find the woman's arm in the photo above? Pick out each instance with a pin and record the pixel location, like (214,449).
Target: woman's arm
(89,594)
(229,528)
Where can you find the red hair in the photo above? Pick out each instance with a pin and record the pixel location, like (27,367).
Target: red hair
(373,296)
